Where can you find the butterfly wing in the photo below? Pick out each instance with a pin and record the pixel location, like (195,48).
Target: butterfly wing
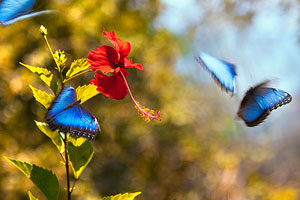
(77,121)
(66,115)
(66,97)
(10,9)
(251,112)
(84,124)
(223,72)
(25,16)
(259,102)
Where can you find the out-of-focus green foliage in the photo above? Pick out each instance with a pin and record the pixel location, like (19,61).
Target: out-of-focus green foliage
(197,152)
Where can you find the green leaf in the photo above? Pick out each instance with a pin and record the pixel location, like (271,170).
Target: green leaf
(45,75)
(77,141)
(44,179)
(24,167)
(42,97)
(53,135)
(76,67)
(80,156)
(125,196)
(60,59)
(86,92)
(31,197)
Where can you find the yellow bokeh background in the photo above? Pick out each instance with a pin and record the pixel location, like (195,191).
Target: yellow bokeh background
(198,151)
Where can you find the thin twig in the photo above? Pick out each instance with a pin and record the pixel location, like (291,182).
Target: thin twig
(58,66)
(73,187)
(67,168)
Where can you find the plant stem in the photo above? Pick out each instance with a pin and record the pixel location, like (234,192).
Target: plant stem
(58,66)
(51,51)
(73,185)
(67,168)
(62,79)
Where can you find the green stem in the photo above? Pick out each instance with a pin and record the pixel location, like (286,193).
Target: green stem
(62,79)
(45,37)
(67,167)
(58,66)
(73,185)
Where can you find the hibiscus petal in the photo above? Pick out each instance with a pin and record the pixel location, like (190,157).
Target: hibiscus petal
(104,58)
(123,48)
(129,64)
(111,86)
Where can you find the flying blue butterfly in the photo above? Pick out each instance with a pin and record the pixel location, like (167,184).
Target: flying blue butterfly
(259,101)
(12,11)
(223,72)
(68,116)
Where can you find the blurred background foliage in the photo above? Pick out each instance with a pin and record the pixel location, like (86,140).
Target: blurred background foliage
(198,151)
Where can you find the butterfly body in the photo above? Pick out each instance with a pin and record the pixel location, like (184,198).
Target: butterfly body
(259,101)
(223,72)
(12,11)
(68,116)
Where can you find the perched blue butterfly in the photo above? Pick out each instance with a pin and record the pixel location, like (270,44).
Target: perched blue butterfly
(68,116)
(259,101)
(223,72)
(12,11)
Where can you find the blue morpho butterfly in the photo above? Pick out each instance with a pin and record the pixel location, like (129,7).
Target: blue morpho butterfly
(68,116)
(12,11)
(223,72)
(259,101)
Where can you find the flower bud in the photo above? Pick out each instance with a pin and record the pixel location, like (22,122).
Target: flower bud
(43,30)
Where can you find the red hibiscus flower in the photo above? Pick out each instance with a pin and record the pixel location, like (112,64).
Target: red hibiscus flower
(107,59)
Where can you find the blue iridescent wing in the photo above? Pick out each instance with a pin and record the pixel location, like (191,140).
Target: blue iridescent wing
(68,116)
(259,101)
(32,14)
(223,72)
(10,9)
(77,121)
(66,97)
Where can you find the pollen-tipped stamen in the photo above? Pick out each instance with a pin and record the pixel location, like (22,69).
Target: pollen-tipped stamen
(146,113)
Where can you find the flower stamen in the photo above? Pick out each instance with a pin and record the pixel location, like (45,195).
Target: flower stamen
(147,114)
